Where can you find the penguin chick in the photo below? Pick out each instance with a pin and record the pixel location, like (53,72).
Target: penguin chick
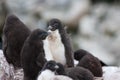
(78,56)
(76,73)
(15,33)
(89,62)
(49,72)
(59,42)
(32,54)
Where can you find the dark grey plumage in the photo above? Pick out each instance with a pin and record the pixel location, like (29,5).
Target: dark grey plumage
(79,73)
(50,65)
(15,33)
(103,63)
(89,62)
(76,73)
(57,24)
(32,54)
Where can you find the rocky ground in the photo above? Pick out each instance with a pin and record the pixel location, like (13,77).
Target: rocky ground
(7,72)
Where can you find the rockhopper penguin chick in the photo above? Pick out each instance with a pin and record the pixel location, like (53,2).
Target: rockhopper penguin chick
(32,54)
(15,33)
(89,62)
(59,43)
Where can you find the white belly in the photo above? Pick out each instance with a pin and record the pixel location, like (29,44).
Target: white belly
(58,52)
(46,75)
(57,47)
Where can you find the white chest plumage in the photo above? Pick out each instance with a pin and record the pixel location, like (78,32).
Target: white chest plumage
(46,75)
(47,50)
(56,47)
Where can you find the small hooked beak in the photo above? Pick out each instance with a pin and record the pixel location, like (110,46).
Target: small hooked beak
(49,27)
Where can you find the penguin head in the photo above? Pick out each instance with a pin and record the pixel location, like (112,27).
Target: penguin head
(39,34)
(79,54)
(43,35)
(60,70)
(54,24)
(51,65)
(11,22)
(11,18)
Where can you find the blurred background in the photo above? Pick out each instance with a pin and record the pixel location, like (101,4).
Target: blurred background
(94,25)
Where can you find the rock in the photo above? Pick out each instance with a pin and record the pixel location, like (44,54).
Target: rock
(4,68)
(7,71)
(111,73)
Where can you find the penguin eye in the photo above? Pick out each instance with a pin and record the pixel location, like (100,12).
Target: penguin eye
(56,24)
(50,66)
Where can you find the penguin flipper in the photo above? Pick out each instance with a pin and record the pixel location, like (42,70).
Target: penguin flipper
(41,61)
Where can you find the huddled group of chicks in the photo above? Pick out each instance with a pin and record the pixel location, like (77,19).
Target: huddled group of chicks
(46,55)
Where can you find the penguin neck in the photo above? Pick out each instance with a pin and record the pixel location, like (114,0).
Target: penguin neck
(79,54)
(55,35)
